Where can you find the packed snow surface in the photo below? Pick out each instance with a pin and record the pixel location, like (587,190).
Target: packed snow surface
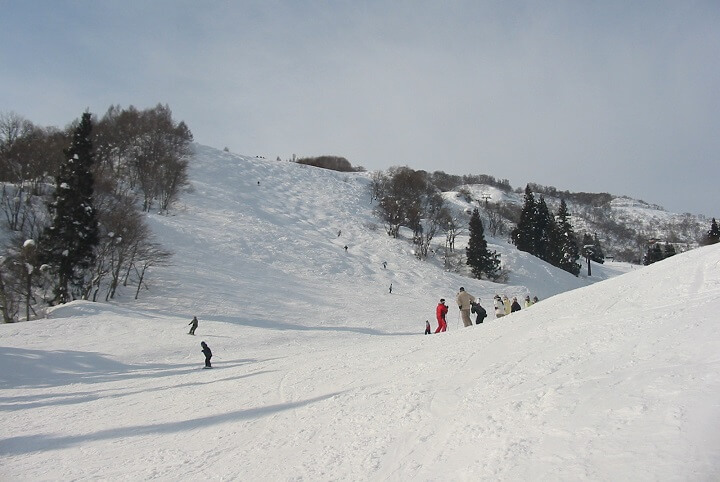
(320,373)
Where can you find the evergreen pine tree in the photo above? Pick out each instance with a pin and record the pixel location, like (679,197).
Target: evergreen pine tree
(479,258)
(669,250)
(569,251)
(68,244)
(713,235)
(523,234)
(545,234)
(653,255)
(598,253)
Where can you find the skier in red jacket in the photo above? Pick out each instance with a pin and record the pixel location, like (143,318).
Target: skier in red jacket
(440,313)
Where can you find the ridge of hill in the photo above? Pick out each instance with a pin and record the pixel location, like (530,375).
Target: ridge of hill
(624,226)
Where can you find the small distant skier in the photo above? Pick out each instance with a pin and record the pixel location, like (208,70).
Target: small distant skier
(385,264)
(528,301)
(194,326)
(479,311)
(440,313)
(515,305)
(464,300)
(390,288)
(345,248)
(535,299)
(427,327)
(339,232)
(208,354)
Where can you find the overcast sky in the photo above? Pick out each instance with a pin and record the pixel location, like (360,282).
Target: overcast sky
(598,96)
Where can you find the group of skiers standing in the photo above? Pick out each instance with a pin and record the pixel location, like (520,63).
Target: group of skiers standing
(467,304)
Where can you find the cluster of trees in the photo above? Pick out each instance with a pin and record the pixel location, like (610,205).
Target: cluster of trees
(550,238)
(588,198)
(76,212)
(713,234)
(335,163)
(409,198)
(657,252)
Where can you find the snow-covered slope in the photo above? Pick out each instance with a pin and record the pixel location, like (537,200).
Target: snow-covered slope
(322,374)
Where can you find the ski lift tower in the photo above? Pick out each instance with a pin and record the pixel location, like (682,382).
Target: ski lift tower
(486,197)
(589,250)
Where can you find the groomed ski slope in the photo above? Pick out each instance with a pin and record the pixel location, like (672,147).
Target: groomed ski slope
(321,374)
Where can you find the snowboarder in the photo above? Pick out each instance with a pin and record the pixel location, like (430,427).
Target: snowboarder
(479,311)
(208,354)
(499,307)
(464,301)
(515,305)
(427,327)
(440,314)
(194,326)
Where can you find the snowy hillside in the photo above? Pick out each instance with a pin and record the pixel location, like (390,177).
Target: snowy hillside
(321,374)
(623,225)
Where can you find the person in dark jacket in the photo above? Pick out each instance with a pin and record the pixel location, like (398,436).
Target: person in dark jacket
(208,354)
(428,330)
(194,326)
(515,306)
(479,311)
(440,313)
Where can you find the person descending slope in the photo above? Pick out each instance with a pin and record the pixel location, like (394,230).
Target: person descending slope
(208,354)
(194,323)
(440,314)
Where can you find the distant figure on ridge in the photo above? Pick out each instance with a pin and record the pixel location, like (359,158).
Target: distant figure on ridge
(528,302)
(515,305)
(464,301)
(440,314)
(208,354)
(194,326)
